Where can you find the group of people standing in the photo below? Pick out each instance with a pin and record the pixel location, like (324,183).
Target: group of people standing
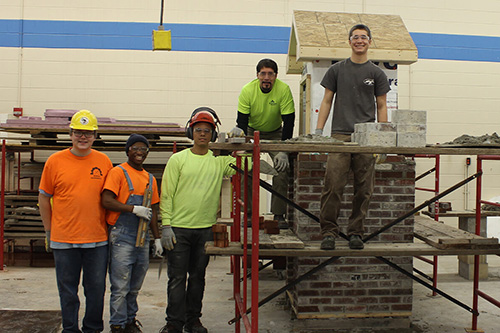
(91,210)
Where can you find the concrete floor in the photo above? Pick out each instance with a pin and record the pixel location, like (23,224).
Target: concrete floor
(34,288)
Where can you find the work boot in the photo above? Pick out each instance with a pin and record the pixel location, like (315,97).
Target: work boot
(355,242)
(133,327)
(328,243)
(195,326)
(282,223)
(170,328)
(116,329)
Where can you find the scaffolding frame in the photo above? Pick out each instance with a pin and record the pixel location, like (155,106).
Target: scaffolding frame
(241,310)
(435,190)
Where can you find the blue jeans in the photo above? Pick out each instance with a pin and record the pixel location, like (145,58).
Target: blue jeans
(187,258)
(69,265)
(127,269)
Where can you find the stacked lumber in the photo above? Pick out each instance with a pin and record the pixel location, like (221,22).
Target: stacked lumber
(442,236)
(22,217)
(54,129)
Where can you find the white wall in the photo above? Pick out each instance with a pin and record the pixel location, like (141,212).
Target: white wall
(459,96)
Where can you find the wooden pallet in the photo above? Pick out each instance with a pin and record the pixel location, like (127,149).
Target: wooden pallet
(442,236)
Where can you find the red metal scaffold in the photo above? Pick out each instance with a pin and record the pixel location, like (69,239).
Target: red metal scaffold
(476,291)
(436,170)
(241,300)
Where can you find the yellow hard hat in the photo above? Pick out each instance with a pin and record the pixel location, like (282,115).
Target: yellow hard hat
(84,120)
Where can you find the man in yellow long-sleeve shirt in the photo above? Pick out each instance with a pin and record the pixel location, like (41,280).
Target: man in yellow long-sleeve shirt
(190,194)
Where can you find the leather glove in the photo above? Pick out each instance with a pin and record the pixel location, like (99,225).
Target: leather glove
(168,237)
(281,161)
(236,132)
(158,248)
(47,241)
(380,158)
(143,212)
(318,131)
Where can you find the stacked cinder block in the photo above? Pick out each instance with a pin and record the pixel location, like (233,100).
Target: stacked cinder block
(407,129)
(411,127)
(375,134)
(353,287)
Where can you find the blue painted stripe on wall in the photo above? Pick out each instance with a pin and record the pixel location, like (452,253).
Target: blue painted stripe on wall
(137,36)
(213,38)
(457,47)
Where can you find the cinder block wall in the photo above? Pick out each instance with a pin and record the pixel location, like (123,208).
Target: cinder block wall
(361,287)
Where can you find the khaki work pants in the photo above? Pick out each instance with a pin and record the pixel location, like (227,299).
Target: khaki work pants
(338,167)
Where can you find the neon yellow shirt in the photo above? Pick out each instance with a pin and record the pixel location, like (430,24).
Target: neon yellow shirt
(265,110)
(190,188)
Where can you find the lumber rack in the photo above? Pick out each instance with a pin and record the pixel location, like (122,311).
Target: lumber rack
(236,251)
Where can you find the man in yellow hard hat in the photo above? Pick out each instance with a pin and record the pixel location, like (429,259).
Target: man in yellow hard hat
(75,223)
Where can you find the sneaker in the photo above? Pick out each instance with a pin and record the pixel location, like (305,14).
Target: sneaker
(133,327)
(328,243)
(195,326)
(170,328)
(282,223)
(116,329)
(355,242)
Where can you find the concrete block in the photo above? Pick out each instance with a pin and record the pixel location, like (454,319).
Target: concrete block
(412,128)
(411,139)
(377,139)
(372,127)
(469,224)
(467,271)
(470,259)
(409,117)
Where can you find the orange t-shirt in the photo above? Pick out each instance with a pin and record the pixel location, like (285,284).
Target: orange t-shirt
(117,183)
(75,184)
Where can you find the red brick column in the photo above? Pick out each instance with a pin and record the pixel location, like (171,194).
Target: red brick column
(361,287)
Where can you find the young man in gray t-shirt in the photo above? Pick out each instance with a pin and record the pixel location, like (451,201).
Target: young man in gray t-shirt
(357,85)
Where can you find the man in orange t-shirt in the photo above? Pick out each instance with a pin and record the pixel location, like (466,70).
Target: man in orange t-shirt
(75,223)
(123,197)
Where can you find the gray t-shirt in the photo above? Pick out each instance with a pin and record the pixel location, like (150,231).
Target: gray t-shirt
(355,87)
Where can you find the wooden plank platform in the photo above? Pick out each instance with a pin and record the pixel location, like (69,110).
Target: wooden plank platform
(465,213)
(371,249)
(442,236)
(315,147)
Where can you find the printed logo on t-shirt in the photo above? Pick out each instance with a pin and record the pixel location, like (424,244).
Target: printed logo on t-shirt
(272,102)
(95,173)
(369,82)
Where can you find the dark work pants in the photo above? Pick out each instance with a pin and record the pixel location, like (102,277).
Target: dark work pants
(280,181)
(338,167)
(187,264)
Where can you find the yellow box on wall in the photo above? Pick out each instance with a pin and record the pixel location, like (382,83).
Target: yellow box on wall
(162,40)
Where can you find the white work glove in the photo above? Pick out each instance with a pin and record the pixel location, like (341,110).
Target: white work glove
(143,212)
(318,131)
(158,248)
(380,158)
(235,133)
(168,237)
(281,162)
